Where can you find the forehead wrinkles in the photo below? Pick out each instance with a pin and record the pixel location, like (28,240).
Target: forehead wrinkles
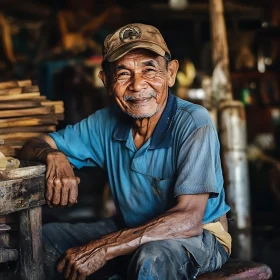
(139,59)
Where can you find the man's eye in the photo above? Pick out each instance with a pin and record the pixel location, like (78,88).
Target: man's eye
(147,70)
(122,75)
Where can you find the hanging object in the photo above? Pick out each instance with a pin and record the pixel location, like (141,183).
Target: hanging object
(178,4)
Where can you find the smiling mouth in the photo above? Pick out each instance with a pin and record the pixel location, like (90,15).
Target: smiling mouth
(139,101)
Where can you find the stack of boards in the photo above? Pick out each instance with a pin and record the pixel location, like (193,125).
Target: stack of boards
(24,114)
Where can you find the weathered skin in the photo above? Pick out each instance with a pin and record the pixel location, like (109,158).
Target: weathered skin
(139,84)
(182,221)
(62,184)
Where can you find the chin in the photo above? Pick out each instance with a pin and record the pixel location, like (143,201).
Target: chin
(143,115)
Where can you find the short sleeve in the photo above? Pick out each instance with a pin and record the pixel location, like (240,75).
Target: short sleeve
(198,165)
(81,142)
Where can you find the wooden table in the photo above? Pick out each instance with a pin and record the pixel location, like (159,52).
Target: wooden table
(22,191)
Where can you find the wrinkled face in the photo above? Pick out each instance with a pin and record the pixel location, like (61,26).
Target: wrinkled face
(140,83)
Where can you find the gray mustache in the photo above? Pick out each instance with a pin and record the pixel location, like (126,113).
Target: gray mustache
(139,96)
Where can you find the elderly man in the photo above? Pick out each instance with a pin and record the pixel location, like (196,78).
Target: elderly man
(162,158)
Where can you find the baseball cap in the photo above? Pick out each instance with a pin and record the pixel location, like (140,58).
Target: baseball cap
(133,36)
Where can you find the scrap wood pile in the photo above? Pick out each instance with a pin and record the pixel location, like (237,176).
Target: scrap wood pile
(24,114)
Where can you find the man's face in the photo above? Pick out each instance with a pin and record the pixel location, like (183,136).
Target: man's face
(140,83)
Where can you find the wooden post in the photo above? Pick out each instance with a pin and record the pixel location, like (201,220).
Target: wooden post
(220,46)
(232,122)
(31,253)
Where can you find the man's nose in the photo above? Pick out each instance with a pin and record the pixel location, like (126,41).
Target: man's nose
(137,82)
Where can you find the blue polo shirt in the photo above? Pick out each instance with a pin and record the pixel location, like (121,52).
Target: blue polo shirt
(181,157)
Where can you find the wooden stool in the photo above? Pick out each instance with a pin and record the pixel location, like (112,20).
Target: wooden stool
(235,269)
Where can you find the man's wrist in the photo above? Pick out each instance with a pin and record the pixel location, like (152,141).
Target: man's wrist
(50,153)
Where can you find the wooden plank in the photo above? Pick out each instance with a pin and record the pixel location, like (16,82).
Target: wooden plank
(17,90)
(51,103)
(18,136)
(20,194)
(24,83)
(60,117)
(27,170)
(26,112)
(58,105)
(9,84)
(19,104)
(21,96)
(30,89)
(30,246)
(37,98)
(29,121)
(41,128)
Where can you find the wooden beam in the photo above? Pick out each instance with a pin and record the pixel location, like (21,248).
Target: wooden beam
(220,49)
(31,250)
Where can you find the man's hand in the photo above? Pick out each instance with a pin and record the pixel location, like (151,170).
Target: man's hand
(62,184)
(80,262)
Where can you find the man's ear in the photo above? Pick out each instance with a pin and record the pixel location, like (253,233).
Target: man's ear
(172,72)
(103,78)
(105,81)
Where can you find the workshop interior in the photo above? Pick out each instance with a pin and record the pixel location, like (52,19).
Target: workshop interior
(229,57)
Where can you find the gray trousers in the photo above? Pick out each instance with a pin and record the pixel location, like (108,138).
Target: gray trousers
(162,260)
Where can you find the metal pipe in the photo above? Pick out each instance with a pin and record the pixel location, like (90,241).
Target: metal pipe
(234,158)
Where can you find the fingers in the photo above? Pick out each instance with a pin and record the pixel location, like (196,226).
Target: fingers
(62,191)
(56,191)
(61,265)
(73,194)
(78,180)
(82,277)
(49,191)
(74,275)
(71,271)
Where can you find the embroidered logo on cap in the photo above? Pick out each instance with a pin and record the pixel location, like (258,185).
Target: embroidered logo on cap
(129,33)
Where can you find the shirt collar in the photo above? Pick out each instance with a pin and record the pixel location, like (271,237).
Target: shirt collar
(162,135)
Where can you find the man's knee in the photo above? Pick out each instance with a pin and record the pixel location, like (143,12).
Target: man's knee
(157,258)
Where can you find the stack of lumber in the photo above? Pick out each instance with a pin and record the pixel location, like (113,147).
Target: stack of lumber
(24,114)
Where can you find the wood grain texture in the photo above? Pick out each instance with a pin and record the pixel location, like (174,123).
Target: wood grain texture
(21,96)
(27,112)
(31,252)
(41,128)
(17,90)
(30,89)
(20,194)
(8,84)
(29,121)
(23,104)
(24,83)
(27,169)
(18,136)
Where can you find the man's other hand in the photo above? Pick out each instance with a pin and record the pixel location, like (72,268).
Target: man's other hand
(80,262)
(62,184)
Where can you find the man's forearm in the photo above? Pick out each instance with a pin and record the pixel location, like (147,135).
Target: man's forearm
(172,224)
(37,149)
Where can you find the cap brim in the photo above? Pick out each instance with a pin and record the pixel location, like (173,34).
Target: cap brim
(126,48)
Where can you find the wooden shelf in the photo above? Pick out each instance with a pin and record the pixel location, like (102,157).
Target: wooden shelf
(235,76)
